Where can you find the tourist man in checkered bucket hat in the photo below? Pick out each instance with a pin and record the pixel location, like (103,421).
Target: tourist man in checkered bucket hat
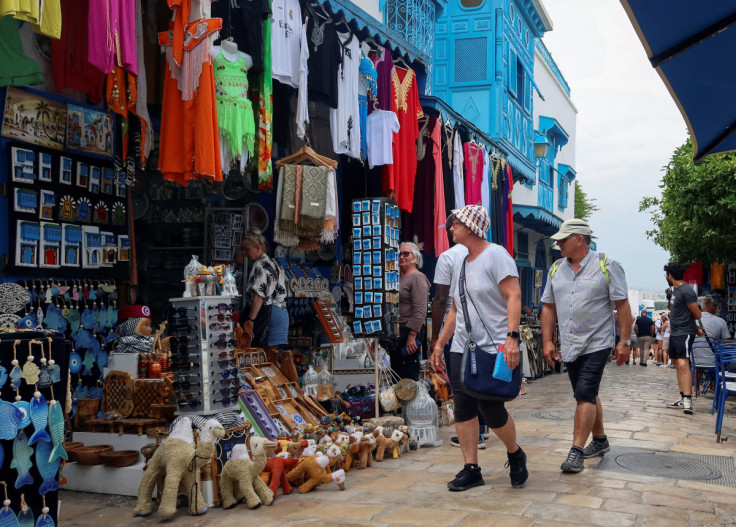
(493,307)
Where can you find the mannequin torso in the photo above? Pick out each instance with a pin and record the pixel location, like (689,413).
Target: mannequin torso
(230,52)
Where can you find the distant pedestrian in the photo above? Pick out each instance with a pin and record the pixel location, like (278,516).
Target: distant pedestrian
(578,295)
(662,328)
(644,328)
(684,311)
(494,312)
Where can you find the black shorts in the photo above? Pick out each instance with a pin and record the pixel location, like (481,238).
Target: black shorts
(585,374)
(681,346)
(467,407)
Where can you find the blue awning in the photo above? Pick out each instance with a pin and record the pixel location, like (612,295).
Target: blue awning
(537,219)
(691,45)
(550,126)
(566,171)
(524,171)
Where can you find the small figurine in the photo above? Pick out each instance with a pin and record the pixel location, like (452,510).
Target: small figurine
(229,287)
(134,330)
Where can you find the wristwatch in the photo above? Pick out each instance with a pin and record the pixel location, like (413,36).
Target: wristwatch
(626,341)
(513,335)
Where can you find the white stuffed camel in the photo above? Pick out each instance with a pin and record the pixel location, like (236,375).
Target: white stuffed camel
(240,471)
(180,463)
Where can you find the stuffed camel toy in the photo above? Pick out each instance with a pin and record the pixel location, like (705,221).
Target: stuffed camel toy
(241,471)
(314,469)
(277,467)
(381,443)
(180,463)
(367,446)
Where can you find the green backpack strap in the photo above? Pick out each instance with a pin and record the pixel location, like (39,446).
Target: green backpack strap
(556,266)
(602,258)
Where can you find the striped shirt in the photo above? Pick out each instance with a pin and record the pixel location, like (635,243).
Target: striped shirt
(583,302)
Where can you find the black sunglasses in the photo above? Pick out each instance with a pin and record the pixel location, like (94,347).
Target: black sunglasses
(226,401)
(227,391)
(194,403)
(185,385)
(221,308)
(235,382)
(221,318)
(223,344)
(184,366)
(229,372)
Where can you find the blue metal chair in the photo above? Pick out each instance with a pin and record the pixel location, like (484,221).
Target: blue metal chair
(722,347)
(726,385)
(703,364)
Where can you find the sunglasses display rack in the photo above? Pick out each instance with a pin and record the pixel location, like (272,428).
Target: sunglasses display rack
(203,359)
(376,237)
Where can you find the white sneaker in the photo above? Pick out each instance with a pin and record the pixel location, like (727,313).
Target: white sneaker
(679,403)
(687,406)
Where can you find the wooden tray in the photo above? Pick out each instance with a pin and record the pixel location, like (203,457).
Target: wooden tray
(291,412)
(271,371)
(118,393)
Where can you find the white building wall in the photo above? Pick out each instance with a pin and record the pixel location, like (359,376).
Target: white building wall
(558,105)
(372,7)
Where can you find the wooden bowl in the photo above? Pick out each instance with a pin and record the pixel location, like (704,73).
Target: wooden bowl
(90,455)
(119,458)
(70,447)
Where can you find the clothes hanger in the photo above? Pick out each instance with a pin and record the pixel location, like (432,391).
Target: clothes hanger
(306,153)
(343,22)
(313,8)
(400,60)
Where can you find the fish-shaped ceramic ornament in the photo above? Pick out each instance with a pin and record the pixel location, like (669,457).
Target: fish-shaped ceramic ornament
(39,417)
(74,318)
(25,516)
(47,470)
(8,517)
(29,321)
(10,419)
(88,363)
(56,426)
(88,319)
(25,408)
(45,521)
(3,376)
(22,452)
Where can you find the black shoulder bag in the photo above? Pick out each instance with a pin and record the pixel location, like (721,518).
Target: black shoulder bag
(478,366)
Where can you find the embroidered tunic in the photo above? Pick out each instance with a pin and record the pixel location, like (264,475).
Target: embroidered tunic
(473,173)
(399,177)
(345,120)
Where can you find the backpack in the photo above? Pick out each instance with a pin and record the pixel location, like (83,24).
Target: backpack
(602,258)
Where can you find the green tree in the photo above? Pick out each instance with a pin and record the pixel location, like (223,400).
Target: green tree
(584,206)
(694,219)
(42,113)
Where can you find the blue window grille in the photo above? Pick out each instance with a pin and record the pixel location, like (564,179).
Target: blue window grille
(545,191)
(94,240)
(73,235)
(563,185)
(52,233)
(30,231)
(414,19)
(27,199)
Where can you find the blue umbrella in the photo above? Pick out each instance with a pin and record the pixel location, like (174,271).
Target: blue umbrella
(691,44)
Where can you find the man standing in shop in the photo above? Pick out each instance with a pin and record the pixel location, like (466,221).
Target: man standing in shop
(644,329)
(494,310)
(578,294)
(684,311)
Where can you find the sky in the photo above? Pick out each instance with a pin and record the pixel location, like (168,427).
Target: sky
(627,128)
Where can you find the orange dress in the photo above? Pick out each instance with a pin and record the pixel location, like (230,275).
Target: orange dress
(189,144)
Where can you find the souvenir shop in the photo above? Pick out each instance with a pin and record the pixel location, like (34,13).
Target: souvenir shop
(140,148)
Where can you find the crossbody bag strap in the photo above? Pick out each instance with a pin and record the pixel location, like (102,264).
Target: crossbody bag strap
(463,293)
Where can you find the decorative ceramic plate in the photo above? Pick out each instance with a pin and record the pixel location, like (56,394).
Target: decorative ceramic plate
(268,371)
(13,297)
(281,409)
(257,216)
(9,322)
(298,419)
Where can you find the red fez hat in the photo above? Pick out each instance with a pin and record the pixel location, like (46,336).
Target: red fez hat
(124,313)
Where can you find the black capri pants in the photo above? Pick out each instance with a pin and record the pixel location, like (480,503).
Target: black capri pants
(467,407)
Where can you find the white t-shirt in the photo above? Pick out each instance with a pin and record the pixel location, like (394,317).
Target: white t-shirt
(380,127)
(443,271)
(345,119)
(286,36)
(458,159)
(302,105)
(482,277)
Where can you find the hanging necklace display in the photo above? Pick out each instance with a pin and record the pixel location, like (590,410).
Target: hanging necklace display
(22,453)
(16,374)
(7,516)
(30,370)
(25,514)
(45,520)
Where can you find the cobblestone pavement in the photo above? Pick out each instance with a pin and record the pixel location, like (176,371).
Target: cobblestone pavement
(412,491)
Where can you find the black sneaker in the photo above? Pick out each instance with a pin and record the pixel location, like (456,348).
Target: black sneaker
(466,479)
(642,363)
(517,463)
(596,448)
(574,462)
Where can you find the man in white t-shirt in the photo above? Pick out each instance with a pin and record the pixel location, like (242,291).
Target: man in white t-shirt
(494,308)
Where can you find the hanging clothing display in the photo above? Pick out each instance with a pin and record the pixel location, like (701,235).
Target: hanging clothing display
(717,276)
(112,42)
(399,177)
(16,69)
(265,115)
(345,120)
(189,142)
(243,21)
(447,142)
(380,129)
(457,171)
(508,190)
(384,63)
(485,198)
(234,109)
(44,16)
(473,161)
(366,96)
(286,36)
(69,63)
(420,222)
(302,103)
(324,59)
(496,212)
(441,243)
